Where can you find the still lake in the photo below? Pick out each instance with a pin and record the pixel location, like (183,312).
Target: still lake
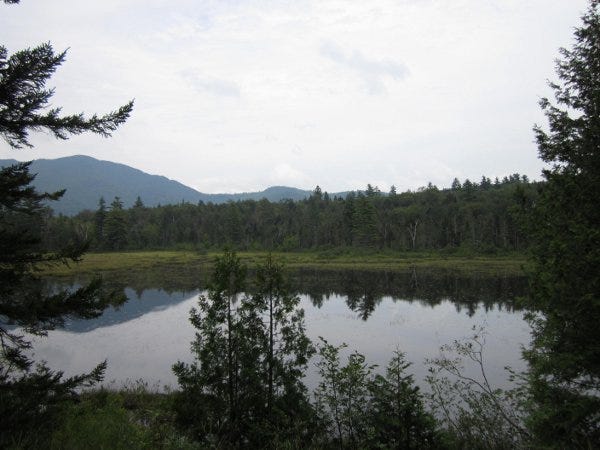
(374,312)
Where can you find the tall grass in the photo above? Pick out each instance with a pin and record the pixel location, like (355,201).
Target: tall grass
(131,418)
(325,259)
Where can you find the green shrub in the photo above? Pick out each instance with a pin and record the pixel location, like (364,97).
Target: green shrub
(100,423)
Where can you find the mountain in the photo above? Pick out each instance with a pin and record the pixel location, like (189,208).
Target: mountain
(87,179)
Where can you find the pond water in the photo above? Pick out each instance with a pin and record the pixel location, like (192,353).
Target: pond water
(373,312)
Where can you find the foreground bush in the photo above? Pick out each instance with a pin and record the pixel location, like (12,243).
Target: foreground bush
(133,418)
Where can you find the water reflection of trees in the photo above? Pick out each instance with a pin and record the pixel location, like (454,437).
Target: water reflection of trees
(152,289)
(147,290)
(365,289)
(176,280)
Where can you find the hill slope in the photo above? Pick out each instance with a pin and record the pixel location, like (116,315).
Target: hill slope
(87,179)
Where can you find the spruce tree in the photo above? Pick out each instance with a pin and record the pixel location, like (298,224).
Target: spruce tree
(24,100)
(99,222)
(30,394)
(115,226)
(564,229)
(364,221)
(396,410)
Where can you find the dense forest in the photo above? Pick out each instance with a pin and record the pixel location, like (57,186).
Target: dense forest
(480,217)
(243,387)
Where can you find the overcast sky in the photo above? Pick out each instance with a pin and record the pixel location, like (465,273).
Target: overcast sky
(239,95)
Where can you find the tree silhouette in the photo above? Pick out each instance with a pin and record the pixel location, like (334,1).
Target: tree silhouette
(30,395)
(565,353)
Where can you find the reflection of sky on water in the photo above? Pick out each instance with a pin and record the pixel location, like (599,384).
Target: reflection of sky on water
(419,331)
(144,347)
(148,301)
(147,335)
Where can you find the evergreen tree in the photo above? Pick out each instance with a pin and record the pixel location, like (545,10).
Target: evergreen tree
(210,396)
(396,410)
(362,410)
(24,100)
(115,227)
(348,215)
(99,219)
(317,193)
(485,183)
(456,185)
(285,355)
(564,228)
(30,396)
(364,221)
(136,219)
(245,385)
(372,191)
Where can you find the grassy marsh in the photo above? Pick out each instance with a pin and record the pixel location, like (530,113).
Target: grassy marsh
(172,261)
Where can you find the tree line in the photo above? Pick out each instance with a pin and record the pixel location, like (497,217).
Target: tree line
(480,217)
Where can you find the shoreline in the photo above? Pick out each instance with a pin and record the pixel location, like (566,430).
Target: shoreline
(326,260)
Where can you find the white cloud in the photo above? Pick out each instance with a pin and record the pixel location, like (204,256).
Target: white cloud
(215,86)
(234,95)
(284,174)
(370,70)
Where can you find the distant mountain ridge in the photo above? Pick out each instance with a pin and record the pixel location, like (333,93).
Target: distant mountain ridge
(86,179)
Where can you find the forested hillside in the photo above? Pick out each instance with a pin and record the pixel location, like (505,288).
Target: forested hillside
(86,179)
(470,216)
